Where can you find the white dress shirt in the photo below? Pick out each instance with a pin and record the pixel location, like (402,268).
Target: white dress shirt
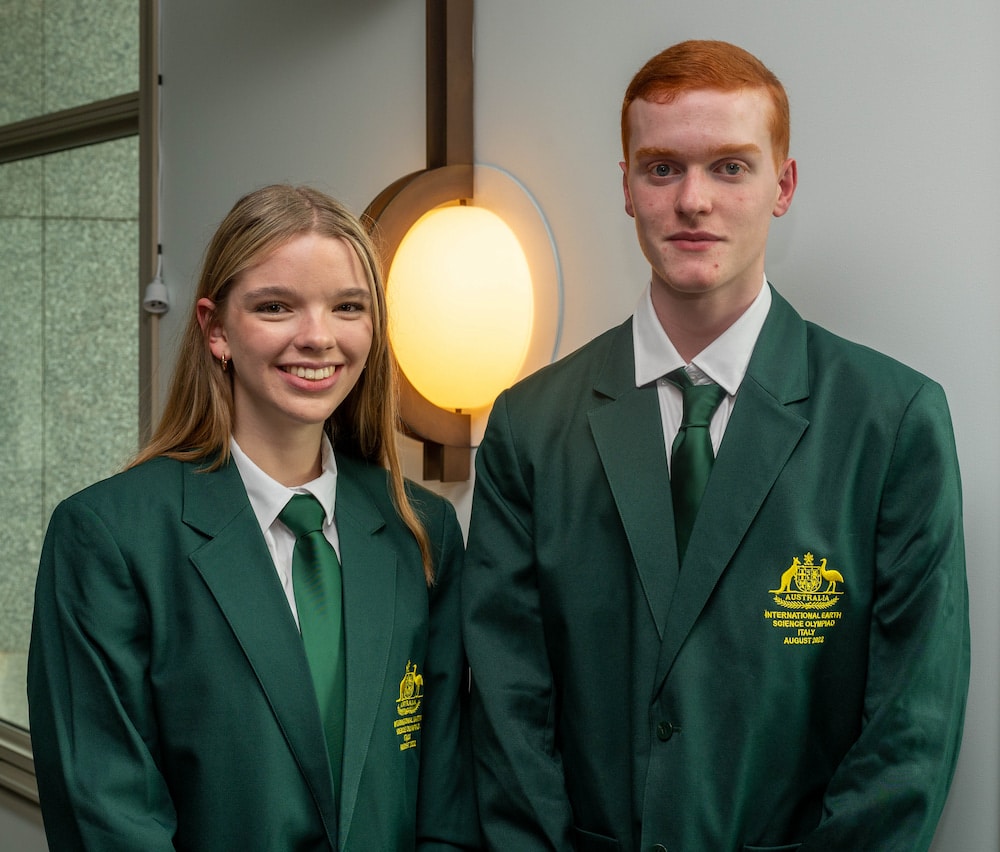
(268,497)
(724,361)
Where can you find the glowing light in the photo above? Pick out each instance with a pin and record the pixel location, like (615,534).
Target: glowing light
(461,306)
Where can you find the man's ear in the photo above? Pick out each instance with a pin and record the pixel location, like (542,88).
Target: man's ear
(628,196)
(211,327)
(788,179)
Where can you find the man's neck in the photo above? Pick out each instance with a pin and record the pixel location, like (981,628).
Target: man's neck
(694,323)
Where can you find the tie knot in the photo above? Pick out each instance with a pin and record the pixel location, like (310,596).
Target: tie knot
(700,401)
(303,514)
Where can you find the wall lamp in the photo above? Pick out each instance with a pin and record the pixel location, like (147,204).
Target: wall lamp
(473,278)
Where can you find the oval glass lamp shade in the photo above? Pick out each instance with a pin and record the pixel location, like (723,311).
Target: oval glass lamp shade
(461,306)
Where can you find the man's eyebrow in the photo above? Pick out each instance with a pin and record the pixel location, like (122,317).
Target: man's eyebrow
(652,153)
(736,150)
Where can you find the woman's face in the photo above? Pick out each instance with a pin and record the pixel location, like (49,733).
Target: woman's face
(296,329)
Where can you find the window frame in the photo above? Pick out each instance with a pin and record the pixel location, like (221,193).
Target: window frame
(133,114)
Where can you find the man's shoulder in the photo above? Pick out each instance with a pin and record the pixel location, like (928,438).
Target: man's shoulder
(580,369)
(789,343)
(831,354)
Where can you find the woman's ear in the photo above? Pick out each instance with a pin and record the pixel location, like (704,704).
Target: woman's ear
(211,327)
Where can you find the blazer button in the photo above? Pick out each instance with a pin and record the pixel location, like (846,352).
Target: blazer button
(659,847)
(664,731)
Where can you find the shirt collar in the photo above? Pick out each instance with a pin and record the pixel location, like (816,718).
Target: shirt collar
(724,361)
(268,496)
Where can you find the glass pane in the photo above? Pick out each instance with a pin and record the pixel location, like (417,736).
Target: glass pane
(69,236)
(65,53)
(20,59)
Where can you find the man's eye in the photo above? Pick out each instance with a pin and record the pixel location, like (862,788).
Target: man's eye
(733,169)
(662,170)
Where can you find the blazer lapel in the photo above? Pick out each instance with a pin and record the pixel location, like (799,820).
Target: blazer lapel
(238,570)
(369,572)
(761,435)
(629,436)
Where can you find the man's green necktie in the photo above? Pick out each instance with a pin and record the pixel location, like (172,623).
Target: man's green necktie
(319,601)
(691,456)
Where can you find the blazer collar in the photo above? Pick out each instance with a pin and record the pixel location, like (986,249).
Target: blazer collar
(235,565)
(780,362)
(617,375)
(369,572)
(628,434)
(762,433)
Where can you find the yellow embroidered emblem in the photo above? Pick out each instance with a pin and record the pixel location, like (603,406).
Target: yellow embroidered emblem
(411,695)
(807,594)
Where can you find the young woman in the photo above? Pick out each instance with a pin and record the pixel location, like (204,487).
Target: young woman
(179,697)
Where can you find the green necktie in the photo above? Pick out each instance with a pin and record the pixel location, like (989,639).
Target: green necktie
(319,602)
(691,456)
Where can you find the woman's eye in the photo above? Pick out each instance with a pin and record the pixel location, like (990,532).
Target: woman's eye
(270,308)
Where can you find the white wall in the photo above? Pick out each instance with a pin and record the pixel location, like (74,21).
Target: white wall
(893,238)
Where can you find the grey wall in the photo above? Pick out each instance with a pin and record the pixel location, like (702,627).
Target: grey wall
(892,239)
(20,825)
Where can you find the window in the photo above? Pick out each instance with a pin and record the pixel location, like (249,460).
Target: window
(75,206)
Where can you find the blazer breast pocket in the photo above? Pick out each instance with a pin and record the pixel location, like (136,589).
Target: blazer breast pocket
(791,847)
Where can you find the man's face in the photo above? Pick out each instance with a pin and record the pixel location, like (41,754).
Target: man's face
(702,186)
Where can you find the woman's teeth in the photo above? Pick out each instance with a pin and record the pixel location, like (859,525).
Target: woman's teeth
(310,373)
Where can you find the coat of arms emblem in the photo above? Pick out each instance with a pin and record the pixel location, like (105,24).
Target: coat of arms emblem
(815,585)
(411,691)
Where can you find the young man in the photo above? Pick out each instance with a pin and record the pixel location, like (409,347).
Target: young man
(777,659)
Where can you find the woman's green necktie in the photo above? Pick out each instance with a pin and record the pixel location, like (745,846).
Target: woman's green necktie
(316,581)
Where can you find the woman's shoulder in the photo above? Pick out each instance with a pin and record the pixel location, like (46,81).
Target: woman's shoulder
(141,476)
(374,479)
(151,483)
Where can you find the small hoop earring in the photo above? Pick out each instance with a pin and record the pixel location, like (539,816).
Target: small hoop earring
(225,364)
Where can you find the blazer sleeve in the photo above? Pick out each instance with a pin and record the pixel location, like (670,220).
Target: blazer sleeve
(93,726)
(889,791)
(519,775)
(446,806)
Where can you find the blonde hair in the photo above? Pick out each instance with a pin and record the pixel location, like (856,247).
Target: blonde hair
(197,420)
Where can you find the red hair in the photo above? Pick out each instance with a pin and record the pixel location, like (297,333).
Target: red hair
(718,65)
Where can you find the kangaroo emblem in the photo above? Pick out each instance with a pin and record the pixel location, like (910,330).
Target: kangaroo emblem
(786,578)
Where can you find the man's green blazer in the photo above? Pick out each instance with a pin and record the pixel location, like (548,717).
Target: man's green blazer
(170,699)
(799,683)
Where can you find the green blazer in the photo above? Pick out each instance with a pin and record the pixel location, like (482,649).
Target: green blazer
(171,704)
(799,684)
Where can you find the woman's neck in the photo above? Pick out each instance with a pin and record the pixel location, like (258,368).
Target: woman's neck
(294,460)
